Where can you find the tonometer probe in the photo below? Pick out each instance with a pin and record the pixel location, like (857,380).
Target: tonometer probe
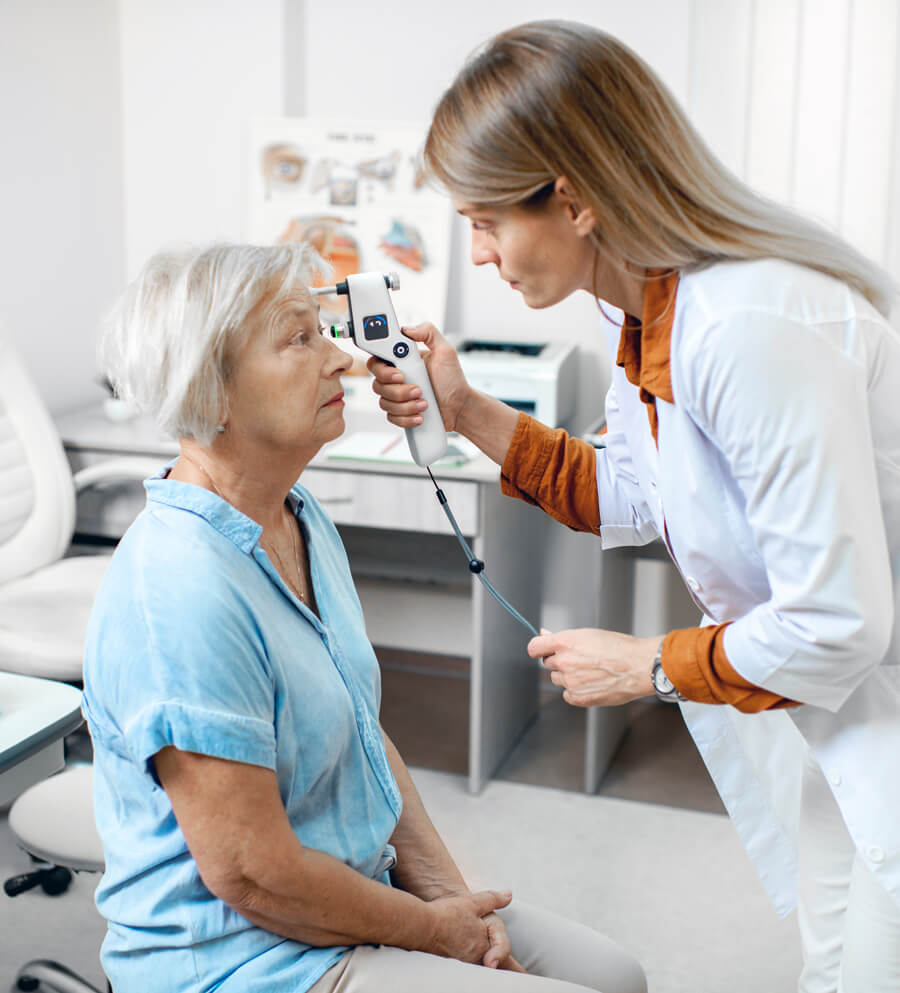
(373,327)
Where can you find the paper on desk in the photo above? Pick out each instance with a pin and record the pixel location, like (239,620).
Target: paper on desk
(391,446)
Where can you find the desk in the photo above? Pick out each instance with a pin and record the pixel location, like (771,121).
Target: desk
(412,577)
(35,716)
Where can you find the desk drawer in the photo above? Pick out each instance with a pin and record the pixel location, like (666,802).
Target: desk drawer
(403,503)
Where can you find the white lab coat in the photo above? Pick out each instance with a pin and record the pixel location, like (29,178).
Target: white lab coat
(777,487)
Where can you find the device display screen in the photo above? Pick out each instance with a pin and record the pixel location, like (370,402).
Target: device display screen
(375,326)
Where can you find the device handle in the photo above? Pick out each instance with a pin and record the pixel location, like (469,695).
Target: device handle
(428,440)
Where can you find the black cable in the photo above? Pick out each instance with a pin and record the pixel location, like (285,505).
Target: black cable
(476,566)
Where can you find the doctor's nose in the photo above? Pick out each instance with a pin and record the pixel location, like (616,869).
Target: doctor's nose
(482,252)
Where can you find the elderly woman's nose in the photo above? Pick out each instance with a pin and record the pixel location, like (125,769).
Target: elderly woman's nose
(339,359)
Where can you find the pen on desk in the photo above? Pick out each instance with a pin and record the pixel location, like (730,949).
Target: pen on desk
(391,444)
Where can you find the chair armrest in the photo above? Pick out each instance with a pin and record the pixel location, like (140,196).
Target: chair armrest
(134,468)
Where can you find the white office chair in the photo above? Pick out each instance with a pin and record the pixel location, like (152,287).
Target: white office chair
(64,844)
(45,599)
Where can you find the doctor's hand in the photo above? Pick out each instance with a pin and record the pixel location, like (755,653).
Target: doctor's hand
(596,667)
(403,403)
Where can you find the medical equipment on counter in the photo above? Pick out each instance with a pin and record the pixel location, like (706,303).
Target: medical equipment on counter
(539,378)
(373,327)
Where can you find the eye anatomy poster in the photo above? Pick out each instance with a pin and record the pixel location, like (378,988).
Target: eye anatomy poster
(354,190)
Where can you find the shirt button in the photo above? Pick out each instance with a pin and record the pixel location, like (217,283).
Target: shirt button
(875,853)
(835,778)
(693,584)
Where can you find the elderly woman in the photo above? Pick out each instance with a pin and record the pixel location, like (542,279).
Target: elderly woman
(261,831)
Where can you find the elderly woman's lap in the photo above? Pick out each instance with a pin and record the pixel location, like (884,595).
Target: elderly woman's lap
(561,955)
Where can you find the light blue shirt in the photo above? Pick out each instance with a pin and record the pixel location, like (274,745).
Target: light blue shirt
(196,642)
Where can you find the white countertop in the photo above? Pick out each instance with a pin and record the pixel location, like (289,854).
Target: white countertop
(88,429)
(33,713)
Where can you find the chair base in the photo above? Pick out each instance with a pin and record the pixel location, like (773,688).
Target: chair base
(42,974)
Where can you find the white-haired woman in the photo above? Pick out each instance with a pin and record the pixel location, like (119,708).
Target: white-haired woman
(753,425)
(260,830)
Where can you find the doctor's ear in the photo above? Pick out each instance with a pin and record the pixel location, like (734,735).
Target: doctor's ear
(582,217)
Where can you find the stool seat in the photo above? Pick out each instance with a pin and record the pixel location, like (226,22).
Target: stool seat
(52,821)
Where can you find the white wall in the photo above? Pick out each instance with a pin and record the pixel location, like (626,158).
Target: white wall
(61,207)
(193,75)
(801,100)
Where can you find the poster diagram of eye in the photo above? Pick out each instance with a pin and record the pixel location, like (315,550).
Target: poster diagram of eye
(355,191)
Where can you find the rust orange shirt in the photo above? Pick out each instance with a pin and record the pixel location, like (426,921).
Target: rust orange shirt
(558,473)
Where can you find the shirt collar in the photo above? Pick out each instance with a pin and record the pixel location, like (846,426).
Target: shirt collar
(645,344)
(239,529)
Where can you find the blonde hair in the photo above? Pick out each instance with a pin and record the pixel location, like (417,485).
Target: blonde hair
(554,98)
(168,344)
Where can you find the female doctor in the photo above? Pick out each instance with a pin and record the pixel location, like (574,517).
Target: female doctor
(754,426)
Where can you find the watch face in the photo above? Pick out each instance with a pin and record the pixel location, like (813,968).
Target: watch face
(661,681)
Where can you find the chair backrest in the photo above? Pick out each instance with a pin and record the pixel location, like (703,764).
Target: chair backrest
(37,496)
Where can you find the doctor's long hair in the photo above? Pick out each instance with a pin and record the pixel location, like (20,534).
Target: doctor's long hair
(554,98)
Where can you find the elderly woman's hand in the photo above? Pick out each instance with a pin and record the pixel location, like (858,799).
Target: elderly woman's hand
(466,928)
(595,667)
(499,955)
(402,402)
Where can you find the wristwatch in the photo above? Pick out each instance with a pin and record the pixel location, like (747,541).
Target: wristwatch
(665,688)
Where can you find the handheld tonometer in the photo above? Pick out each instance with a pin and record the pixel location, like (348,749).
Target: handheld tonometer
(373,327)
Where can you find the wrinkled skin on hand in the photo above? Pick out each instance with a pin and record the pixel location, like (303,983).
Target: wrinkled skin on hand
(466,927)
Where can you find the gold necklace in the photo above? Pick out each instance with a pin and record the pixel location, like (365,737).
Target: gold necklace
(298,588)
(267,545)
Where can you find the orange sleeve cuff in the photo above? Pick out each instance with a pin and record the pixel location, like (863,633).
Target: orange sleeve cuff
(694,659)
(555,472)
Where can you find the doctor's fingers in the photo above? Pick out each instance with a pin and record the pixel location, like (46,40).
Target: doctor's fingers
(398,398)
(404,415)
(384,375)
(542,647)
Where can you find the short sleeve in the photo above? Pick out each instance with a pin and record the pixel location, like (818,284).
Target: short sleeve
(181,663)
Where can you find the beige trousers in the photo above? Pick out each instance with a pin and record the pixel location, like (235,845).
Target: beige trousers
(560,955)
